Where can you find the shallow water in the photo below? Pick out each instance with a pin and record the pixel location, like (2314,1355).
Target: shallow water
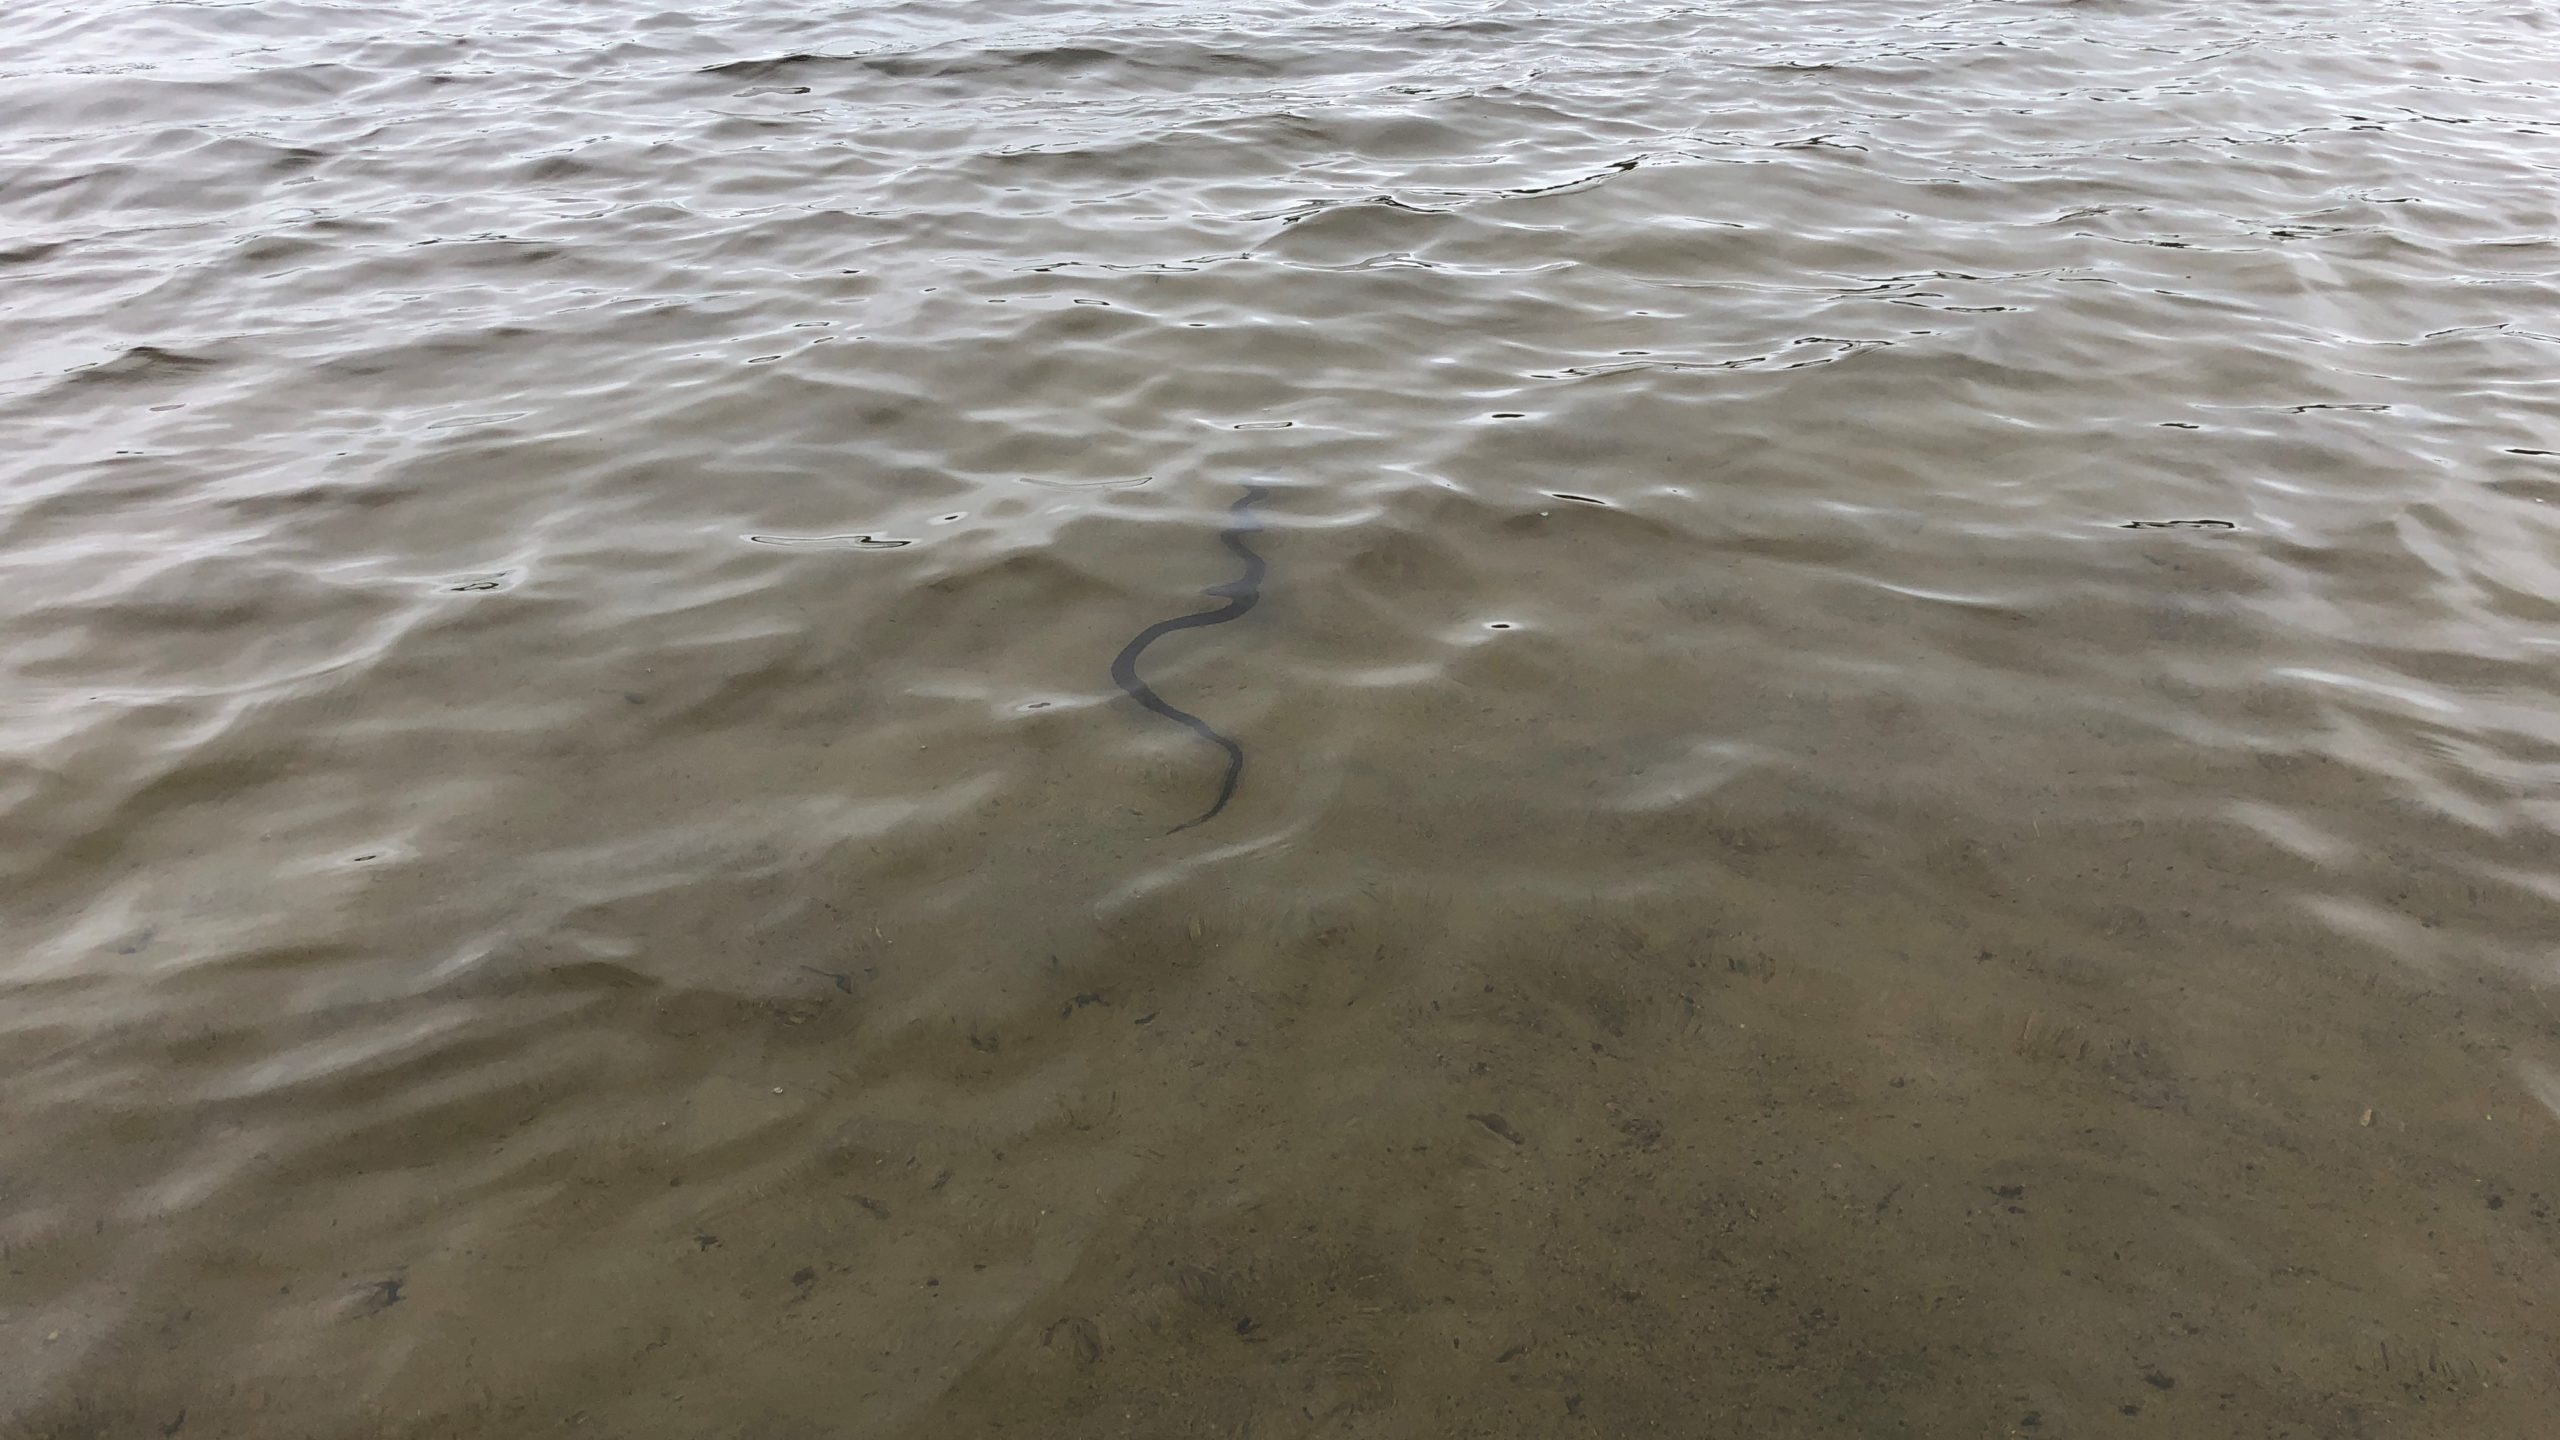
(1900,743)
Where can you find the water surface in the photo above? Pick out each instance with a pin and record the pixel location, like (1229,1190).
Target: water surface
(571,860)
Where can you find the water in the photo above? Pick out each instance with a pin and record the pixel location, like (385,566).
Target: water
(573,861)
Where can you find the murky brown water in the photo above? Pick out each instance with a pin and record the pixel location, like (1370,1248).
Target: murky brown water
(573,861)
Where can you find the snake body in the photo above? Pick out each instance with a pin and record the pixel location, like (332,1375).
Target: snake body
(1240,595)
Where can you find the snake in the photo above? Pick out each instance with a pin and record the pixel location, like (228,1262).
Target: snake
(1240,594)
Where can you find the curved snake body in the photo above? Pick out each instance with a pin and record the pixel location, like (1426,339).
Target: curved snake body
(1240,595)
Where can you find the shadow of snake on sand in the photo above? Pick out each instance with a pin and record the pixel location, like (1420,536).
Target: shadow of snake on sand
(1240,594)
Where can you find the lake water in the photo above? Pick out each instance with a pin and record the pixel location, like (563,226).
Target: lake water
(1892,674)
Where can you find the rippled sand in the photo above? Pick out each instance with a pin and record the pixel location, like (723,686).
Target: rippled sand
(1900,743)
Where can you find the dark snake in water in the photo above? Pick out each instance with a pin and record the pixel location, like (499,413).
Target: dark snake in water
(1241,594)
